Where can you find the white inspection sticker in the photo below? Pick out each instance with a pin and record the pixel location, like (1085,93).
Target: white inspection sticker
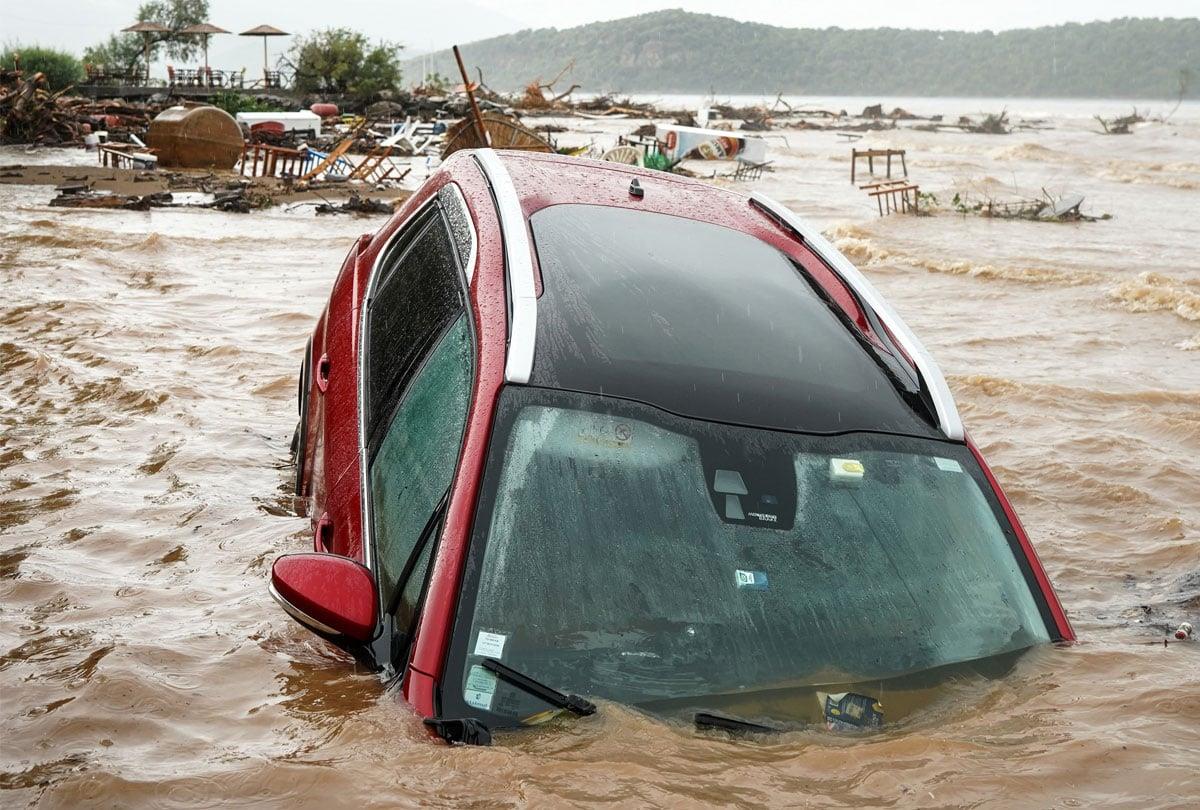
(947,464)
(480,688)
(754,580)
(490,645)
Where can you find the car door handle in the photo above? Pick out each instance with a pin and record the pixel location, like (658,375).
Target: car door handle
(323,534)
(323,373)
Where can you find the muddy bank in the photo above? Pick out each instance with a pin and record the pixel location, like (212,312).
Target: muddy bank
(134,182)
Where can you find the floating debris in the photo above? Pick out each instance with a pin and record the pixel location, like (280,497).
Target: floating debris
(74,198)
(1121,126)
(355,205)
(870,154)
(1066,208)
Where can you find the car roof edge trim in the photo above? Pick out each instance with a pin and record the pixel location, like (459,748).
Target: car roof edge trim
(943,401)
(518,262)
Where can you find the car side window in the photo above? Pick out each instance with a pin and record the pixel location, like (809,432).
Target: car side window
(417,294)
(415,464)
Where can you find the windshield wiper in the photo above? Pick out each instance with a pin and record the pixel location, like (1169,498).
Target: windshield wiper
(706,720)
(572,703)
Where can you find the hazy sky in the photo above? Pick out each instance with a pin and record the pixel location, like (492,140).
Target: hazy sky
(73,24)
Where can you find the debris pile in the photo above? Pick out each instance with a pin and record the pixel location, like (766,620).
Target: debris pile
(1121,126)
(85,197)
(356,205)
(1048,208)
(31,113)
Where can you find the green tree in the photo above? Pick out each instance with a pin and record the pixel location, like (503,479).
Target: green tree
(176,14)
(125,50)
(682,52)
(342,61)
(436,84)
(61,68)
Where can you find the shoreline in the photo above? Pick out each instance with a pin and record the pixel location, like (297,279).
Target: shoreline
(138,182)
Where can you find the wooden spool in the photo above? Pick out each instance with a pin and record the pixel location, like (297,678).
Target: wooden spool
(504,132)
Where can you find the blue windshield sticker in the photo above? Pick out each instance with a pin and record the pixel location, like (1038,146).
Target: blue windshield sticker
(750,580)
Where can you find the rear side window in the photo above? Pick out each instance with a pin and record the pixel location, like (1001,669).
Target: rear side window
(419,366)
(417,295)
(416,462)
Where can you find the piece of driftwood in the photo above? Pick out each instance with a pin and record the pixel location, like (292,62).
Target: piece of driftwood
(535,92)
(1120,126)
(476,116)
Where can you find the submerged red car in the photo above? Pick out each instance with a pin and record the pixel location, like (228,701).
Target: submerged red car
(574,430)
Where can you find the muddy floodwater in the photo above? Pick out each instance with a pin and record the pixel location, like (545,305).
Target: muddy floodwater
(147,402)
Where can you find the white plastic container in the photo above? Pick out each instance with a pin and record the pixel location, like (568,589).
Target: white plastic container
(301,121)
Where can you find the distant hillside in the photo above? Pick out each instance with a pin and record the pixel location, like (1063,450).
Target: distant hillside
(681,52)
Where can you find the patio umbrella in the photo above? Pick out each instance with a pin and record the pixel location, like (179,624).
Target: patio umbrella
(146,29)
(203,29)
(264,31)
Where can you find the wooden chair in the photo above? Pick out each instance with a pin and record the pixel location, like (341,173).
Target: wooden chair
(376,167)
(265,160)
(324,163)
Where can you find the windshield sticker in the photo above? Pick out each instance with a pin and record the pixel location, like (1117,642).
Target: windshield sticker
(947,464)
(622,434)
(846,469)
(480,688)
(850,711)
(750,580)
(490,645)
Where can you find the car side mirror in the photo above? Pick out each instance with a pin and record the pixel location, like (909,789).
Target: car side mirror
(331,595)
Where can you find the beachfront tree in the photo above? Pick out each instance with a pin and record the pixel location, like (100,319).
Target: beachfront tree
(343,62)
(126,50)
(61,68)
(176,14)
(119,50)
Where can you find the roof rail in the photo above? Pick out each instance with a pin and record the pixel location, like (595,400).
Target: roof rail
(518,264)
(939,392)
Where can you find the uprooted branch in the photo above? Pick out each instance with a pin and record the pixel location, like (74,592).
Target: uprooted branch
(535,91)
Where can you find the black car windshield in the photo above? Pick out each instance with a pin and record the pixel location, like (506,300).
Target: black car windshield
(625,553)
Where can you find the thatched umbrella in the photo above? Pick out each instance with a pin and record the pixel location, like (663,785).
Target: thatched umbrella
(146,29)
(203,29)
(264,31)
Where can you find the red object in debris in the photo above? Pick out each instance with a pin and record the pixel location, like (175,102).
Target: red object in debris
(266,128)
(270,132)
(112,121)
(324,109)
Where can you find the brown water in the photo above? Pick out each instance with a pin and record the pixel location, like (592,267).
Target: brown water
(147,406)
